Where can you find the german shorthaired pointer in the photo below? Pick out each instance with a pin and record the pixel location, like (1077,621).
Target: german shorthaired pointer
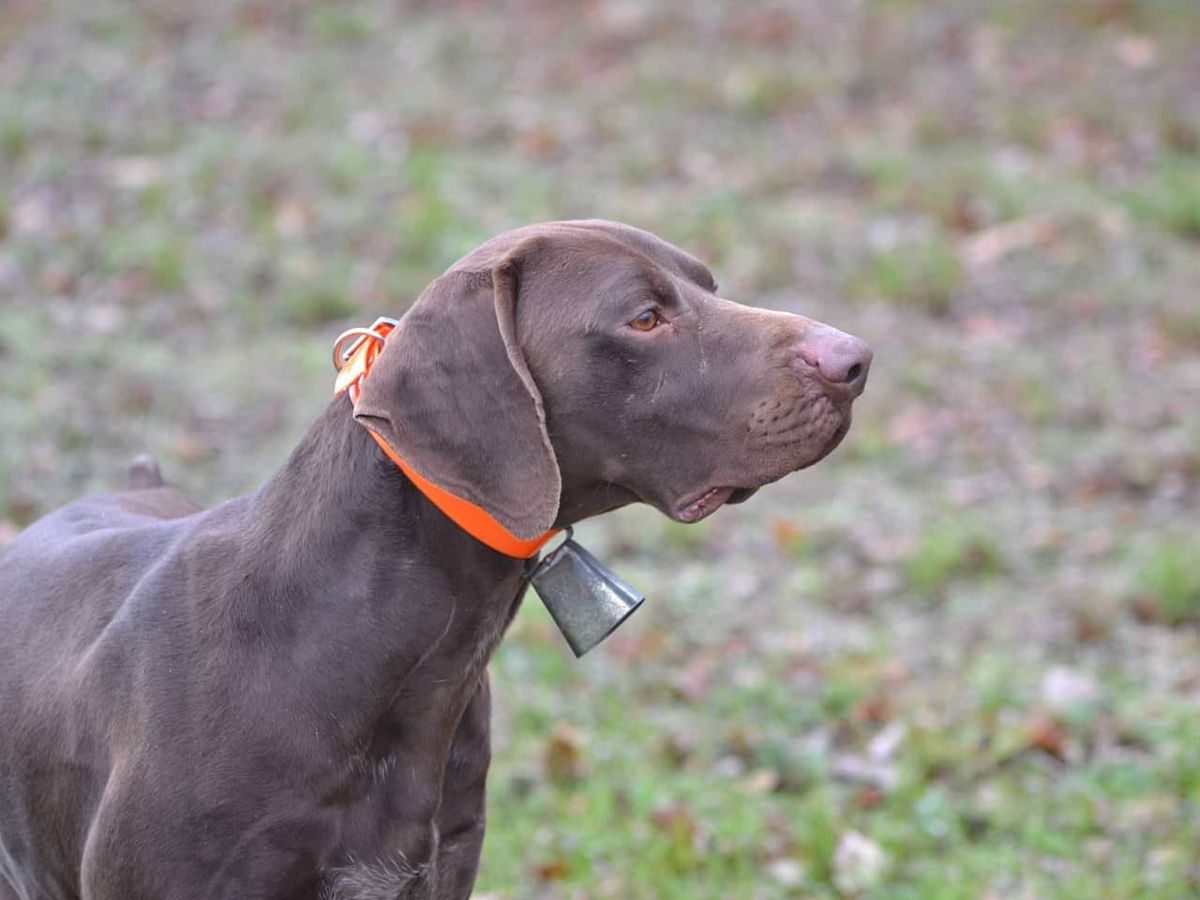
(285,696)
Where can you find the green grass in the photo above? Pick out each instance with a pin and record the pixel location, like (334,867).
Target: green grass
(1170,580)
(925,273)
(950,551)
(1170,195)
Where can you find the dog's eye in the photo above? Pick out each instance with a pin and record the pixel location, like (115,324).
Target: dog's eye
(645,321)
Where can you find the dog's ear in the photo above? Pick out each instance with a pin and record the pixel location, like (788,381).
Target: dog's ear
(452,396)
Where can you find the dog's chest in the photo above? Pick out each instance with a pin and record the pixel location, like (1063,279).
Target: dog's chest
(392,876)
(373,860)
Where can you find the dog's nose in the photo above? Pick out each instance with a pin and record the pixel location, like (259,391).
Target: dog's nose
(839,358)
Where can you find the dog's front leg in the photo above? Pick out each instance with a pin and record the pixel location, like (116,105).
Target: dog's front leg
(461,817)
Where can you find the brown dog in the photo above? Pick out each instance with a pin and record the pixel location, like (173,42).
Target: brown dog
(285,696)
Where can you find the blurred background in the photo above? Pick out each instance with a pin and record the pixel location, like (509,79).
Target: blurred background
(960,658)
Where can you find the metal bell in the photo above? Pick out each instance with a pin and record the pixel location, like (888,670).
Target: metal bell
(586,600)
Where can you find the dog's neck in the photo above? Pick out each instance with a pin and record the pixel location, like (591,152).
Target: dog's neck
(364,583)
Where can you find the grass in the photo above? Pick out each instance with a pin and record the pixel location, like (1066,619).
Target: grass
(925,273)
(950,551)
(958,659)
(1169,581)
(1170,195)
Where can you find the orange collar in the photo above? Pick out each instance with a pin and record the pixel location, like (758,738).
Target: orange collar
(354,352)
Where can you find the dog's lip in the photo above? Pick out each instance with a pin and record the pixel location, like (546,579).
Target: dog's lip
(700,505)
(741,495)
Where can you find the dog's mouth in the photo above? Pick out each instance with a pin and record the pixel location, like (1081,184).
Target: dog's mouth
(741,495)
(701,506)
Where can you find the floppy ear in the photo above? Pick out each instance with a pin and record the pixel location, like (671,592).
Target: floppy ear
(452,396)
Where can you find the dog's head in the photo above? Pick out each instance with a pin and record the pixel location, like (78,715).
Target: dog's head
(565,369)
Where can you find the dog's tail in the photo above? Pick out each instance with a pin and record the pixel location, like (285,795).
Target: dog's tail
(144,473)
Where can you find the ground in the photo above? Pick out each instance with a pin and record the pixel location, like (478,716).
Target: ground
(961,658)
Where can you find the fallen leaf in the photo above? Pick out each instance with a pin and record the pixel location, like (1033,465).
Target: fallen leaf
(788,535)
(869,797)
(874,709)
(552,870)
(1045,734)
(563,759)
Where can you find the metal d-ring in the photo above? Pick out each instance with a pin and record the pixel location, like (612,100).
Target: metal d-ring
(342,352)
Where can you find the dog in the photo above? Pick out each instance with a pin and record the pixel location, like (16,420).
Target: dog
(285,696)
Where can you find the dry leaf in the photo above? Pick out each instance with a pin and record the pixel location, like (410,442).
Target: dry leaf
(1046,735)
(869,797)
(552,870)
(563,758)
(788,535)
